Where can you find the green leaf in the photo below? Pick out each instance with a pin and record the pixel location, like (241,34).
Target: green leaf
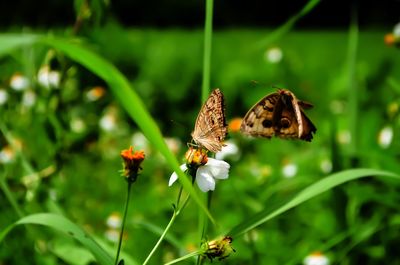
(60,223)
(308,193)
(122,90)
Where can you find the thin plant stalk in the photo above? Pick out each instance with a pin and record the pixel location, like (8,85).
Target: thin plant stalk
(9,196)
(207,50)
(175,214)
(123,222)
(196,253)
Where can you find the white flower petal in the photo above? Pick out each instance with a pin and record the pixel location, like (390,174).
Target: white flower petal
(174,176)
(218,168)
(204,179)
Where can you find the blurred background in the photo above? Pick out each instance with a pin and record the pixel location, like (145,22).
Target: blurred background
(62,129)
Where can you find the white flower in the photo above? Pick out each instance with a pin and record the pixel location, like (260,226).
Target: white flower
(316,258)
(229,149)
(207,174)
(29,98)
(49,78)
(273,55)
(385,137)
(114,221)
(326,166)
(108,122)
(396,30)
(289,170)
(19,82)
(3,96)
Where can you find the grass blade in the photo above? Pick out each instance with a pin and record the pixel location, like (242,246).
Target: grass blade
(60,223)
(308,193)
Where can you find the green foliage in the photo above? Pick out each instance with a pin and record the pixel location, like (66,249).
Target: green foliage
(63,149)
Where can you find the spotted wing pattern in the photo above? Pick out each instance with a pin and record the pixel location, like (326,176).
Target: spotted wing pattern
(279,114)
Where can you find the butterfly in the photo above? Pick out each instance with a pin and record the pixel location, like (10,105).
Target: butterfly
(210,128)
(279,114)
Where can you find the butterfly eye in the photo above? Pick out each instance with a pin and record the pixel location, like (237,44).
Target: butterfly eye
(285,123)
(267,123)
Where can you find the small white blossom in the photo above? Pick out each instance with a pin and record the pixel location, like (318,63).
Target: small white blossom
(29,98)
(140,141)
(207,174)
(112,235)
(19,82)
(289,170)
(316,258)
(95,93)
(229,150)
(6,155)
(77,125)
(3,96)
(114,221)
(326,166)
(385,137)
(49,78)
(108,122)
(396,30)
(273,55)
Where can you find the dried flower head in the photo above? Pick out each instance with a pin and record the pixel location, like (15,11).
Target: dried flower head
(132,161)
(196,157)
(218,248)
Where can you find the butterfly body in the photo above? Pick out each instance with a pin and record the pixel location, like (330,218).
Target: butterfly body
(210,128)
(279,114)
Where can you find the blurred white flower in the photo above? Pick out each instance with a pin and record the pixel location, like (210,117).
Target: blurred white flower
(49,78)
(7,155)
(396,30)
(95,93)
(289,170)
(207,174)
(316,258)
(326,166)
(3,96)
(77,125)
(112,235)
(19,82)
(173,144)
(229,150)
(29,98)
(140,142)
(114,220)
(385,137)
(108,122)
(344,137)
(273,55)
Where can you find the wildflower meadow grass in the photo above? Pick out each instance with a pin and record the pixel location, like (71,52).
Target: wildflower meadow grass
(98,164)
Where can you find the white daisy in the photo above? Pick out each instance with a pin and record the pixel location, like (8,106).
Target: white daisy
(206,175)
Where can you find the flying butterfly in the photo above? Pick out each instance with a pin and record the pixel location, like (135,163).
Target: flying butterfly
(279,114)
(210,128)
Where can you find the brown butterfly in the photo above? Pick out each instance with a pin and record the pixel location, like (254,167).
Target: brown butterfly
(279,114)
(210,128)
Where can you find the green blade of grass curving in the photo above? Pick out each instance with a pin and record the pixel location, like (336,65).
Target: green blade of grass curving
(60,223)
(121,88)
(279,32)
(308,193)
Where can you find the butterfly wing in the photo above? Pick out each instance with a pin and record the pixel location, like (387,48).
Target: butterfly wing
(210,128)
(279,114)
(259,119)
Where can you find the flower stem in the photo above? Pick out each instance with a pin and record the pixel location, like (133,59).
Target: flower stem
(123,222)
(207,50)
(198,252)
(175,214)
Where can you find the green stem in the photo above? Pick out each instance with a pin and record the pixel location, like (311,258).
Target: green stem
(175,214)
(123,222)
(10,197)
(198,252)
(207,50)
